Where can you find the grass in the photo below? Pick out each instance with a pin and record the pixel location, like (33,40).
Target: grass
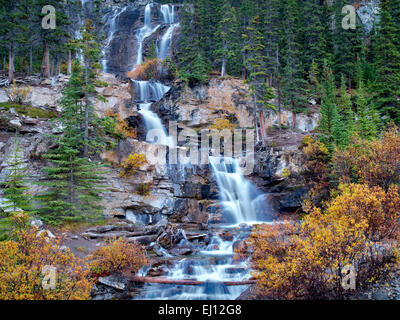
(29,111)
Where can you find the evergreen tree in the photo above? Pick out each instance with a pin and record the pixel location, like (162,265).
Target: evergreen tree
(329,124)
(254,50)
(367,118)
(73,182)
(386,88)
(347,44)
(227,29)
(15,190)
(293,77)
(313,35)
(346,115)
(12,29)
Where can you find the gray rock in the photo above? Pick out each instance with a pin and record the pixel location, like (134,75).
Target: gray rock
(113,284)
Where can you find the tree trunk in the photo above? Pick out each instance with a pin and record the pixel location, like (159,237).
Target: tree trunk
(46,61)
(186,282)
(11,62)
(223,70)
(69,69)
(30,59)
(87,101)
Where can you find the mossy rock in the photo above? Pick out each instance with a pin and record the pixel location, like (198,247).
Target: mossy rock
(28,111)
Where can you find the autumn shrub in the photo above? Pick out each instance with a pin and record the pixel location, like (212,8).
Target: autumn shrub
(305,260)
(222,124)
(380,209)
(316,170)
(24,257)
(375,162)
(118,127)
(118,256)
(150,69)
(18,94)
(131,165)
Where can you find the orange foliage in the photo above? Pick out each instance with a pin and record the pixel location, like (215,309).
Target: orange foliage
(132,164)
(376,162)
(122,126)
(23,259)
(305,260)
(151,69)
(119,256)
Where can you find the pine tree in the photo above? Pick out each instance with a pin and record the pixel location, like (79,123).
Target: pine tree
(227,29)
(386,88)
(254,50)
(313,35)
(73,182)
(329,124)
(294,93)
(347,44)
(12,29)
(15,185)
(346,115)
(367,118)
(90,47)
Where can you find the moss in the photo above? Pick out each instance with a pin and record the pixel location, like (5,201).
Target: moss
(29,111)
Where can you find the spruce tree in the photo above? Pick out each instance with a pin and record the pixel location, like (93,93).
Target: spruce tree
(367,118)
(227,29)
(386,88)
(294,85)
(15,189)
(346,115)
(73,181)
(329,125)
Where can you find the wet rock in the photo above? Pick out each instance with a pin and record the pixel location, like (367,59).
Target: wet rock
(15,123)
(181,251)
(145,240)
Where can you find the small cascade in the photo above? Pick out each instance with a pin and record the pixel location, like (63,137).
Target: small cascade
(148,92)
(240,199)
(144,32)
(215,264)
(115,14)
(168,13)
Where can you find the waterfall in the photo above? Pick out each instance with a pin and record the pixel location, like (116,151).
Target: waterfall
(115,14)
(152,91)
(144,32)
(239,197)
(168,13)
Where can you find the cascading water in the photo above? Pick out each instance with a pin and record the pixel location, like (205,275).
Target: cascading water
(240,199)
(215,264)
(113,16)
(152,91)
(168,13)
(144,32)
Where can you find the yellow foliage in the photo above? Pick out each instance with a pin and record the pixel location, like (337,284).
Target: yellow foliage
(18,94)
(286,173)
(222,124)
(305,260)
(132,164)
(23,259)
(119,256)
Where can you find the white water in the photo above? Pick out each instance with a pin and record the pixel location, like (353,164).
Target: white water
(114,15)
(238,196)
(144,32)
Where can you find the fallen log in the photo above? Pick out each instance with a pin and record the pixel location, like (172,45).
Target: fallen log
(187,282)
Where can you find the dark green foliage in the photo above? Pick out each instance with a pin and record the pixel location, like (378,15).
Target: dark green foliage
(386,88)
(15,189)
